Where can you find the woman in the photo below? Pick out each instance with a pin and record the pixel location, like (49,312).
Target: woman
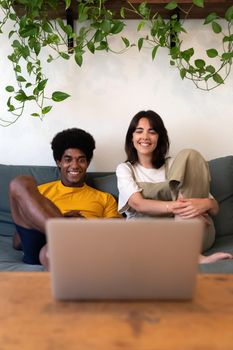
(152,184)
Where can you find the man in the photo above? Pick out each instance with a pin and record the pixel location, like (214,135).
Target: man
(32,206)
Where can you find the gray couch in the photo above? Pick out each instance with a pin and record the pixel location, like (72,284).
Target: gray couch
(221,187)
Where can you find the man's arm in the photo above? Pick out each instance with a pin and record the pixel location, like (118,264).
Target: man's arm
(110,210)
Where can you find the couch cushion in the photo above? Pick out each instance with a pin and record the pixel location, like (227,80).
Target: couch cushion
(107,184)
(41,174)
(11,259)
(7,173)
(221,187)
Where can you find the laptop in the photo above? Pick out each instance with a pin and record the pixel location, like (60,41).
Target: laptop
(117,259)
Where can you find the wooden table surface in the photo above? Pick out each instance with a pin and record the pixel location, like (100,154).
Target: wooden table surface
(31,319)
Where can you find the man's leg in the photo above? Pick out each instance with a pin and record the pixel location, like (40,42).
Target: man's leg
(28,207)
(30,210)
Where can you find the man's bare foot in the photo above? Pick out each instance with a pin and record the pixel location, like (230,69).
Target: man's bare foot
(16,241)
(214,257)
(44,257)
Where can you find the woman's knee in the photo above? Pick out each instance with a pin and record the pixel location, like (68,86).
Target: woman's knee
(190,154)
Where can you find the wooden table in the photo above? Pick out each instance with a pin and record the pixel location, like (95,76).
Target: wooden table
(31,319)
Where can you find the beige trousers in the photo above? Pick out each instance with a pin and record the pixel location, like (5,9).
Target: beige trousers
(189,175)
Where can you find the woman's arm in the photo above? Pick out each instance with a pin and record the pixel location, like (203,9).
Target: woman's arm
(150,206)
(185,207)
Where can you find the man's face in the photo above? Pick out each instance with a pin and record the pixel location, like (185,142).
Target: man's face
(73,167)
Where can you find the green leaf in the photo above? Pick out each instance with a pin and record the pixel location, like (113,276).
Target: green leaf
(229,14)
(46,109)
(29,67)
(140,43)
(199,63)
(16,43)
(210,18)
(47,27)
(98,36)
(216,27)
(5,5)
(212,53)
(25,52)
(122,12)
(64,55)
(172,63)
(117,27)
(174,52)
(12,58)
(10,88)
(226,56)
(143,9)
(198,3)
(210,69)
(36,91)
(59,96)
(18,68)
(82,12)
(68,2)
(218,79)
(61,24)
(126,41)
(35,115)
(78,58)
(154,51)
(50,59)
(106,26)
(187,54)
(36,47)
(171,5)
(182,73)
(102,46)
(140,25)
(12,32)
(228,38)
(31,97)
(21,79)
(12,16)
(207,77)
(21,96)
(11,108)
(29,30)
(91,47)
(42,84)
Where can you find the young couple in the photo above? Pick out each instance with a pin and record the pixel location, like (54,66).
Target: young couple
(150,184)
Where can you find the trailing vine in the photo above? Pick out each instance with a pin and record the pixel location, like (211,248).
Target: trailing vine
(33,32)
(167,34)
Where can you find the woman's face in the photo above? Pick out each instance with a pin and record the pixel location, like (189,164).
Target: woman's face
(145,138)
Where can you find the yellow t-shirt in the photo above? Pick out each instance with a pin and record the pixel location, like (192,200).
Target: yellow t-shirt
(90,202)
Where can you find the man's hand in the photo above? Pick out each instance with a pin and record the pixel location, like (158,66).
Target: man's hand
(73,214)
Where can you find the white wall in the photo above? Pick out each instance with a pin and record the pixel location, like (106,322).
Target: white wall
(106,93)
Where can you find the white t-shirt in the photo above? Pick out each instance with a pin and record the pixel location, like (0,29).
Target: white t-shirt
(127,183)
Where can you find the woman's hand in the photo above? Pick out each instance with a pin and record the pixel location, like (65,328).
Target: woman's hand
(191,207)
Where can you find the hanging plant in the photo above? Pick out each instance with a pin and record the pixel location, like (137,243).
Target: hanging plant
(33,32)
(167,34)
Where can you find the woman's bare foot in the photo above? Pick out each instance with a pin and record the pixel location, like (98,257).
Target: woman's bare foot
(214,257)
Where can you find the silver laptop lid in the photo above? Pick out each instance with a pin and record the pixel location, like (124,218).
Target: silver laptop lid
(120,259)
